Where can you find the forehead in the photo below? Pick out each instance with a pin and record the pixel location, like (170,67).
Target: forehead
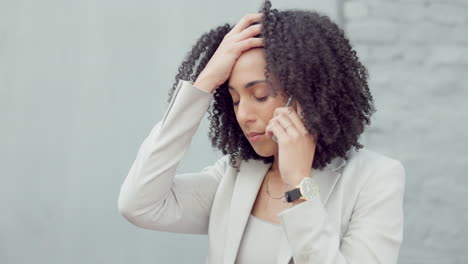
(250,66)
(249,72)
(250,84)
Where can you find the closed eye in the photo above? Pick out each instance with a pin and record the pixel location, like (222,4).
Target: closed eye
(258,99)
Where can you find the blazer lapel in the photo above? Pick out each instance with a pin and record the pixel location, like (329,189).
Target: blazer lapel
(248,182)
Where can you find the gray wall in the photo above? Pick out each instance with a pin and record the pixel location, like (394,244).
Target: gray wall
(417,55)
(83,82)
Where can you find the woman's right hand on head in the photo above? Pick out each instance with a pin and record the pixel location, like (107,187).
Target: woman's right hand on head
(239,39)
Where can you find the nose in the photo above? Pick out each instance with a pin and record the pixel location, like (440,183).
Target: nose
(245,113)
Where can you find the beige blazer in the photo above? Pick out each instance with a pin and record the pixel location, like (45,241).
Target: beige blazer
(357,218)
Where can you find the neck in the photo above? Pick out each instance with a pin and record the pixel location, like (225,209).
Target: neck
(274,172)
(274,166)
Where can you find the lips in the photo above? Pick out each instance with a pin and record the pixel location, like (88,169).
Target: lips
(254,137)
(252,134)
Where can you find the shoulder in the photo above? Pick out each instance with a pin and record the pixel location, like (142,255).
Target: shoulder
(365,165)
(366,159)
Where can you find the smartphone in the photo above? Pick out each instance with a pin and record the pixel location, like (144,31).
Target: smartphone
(288,103)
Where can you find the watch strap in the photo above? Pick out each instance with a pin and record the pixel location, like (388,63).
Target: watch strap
(293,195)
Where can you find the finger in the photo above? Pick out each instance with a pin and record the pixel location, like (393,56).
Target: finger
(274,128)
(299,116)
(245,22)
(293,117)
(249,32)
(286,123)
(296,118)
(250,43)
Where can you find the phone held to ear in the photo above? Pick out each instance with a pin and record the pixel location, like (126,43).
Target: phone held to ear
(288,103)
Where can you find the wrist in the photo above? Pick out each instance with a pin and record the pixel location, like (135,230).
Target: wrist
(204,85)
(307,189)
(297,180)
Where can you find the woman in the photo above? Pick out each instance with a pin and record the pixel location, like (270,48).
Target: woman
(312,195)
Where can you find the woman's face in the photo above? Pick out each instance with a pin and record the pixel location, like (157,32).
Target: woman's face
(254,99)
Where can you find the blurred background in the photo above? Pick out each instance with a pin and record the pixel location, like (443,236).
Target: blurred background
(83,82)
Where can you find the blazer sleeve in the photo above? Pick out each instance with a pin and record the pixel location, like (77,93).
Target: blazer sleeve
(152,195)
(375,231)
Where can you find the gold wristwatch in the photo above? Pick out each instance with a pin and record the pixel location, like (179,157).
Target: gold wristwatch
(307,190)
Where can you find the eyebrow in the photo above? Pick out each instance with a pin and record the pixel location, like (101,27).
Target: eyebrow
(252,83)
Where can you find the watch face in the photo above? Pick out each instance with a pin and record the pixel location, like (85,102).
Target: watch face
(309,188)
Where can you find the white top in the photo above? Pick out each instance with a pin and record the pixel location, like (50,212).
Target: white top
(260,242)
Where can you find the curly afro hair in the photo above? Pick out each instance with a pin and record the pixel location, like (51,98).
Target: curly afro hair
(313,61)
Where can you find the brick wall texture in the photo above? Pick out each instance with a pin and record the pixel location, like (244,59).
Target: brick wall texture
(416,52)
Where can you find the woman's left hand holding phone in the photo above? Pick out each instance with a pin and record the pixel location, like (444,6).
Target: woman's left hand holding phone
(296,146)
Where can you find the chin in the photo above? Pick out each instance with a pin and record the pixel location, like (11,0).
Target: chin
(265,152)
